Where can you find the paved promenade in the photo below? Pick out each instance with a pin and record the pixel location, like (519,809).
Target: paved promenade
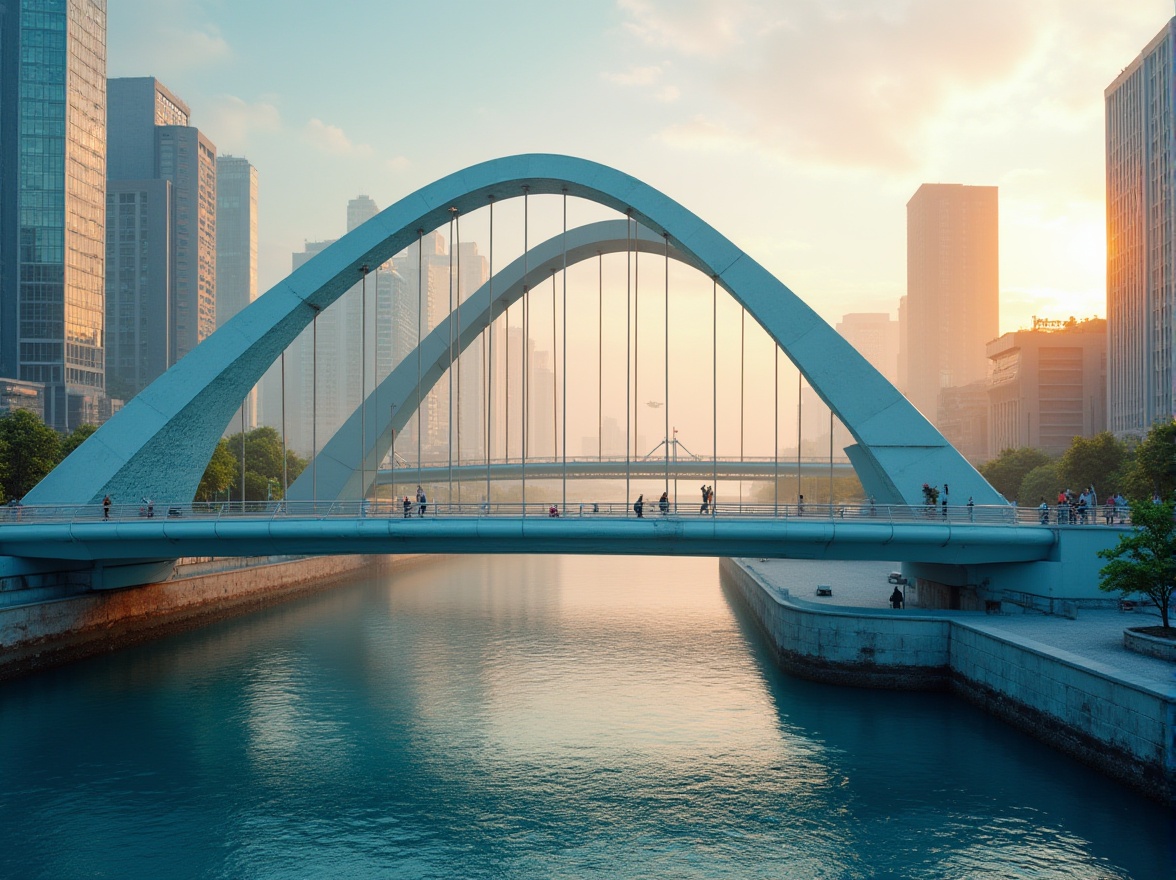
(1094,639)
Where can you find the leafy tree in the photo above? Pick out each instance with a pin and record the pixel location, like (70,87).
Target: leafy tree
(32,449)
(1041,482)
(1093,461)
(1153,470)
(76,438)
(219,474)
(1144,561)
(1007,470)
(263,464)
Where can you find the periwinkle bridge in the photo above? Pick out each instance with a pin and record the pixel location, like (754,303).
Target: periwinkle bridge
(158,446)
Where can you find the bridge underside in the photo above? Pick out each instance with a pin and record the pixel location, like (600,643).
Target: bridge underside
(946,543)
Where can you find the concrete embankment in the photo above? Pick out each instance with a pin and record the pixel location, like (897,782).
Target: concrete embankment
(1123,726)
(41,633)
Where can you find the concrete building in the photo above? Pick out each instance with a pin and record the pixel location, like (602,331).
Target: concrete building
(1141,226)
(1048,385)
(875,336)
(963,419)
(53,203)
(952,301)
(236,252)
(161,239)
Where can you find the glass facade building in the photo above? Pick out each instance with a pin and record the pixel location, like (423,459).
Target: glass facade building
(53,202)
(1141,223)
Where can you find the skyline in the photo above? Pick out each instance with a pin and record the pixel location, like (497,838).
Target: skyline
(736,128)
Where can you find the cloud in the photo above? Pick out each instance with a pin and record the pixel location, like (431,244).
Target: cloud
(332,139)
(636,76)
(233,122)
(865,84)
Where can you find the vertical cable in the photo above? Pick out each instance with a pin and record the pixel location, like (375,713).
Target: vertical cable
(742,396)
(776,430)
(314,407)
(243,455)
(636,333)
(363,385)
(666,236)
(449,370)
(376,389)
(600,356)
(285,454)
(628,347)
(799,393)
(488,369)
(565,351)
(714,386)
(525,355)
(457,336)
(830,461)
(420,317)
(554,375)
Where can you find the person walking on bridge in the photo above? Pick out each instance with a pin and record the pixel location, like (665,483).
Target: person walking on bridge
(705,499)
(663,503)
(639,506)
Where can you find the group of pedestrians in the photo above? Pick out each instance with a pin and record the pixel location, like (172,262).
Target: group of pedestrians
(421,504)
(708,499)
(1082,508)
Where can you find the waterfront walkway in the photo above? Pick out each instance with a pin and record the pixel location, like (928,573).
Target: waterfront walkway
(1094,639)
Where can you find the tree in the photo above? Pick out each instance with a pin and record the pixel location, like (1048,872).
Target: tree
(1041,482)
(219,474)
(32,450)
(1007,470)
(263,464)
(76,438)
(1153,471)
(1144,561)
(1093,461)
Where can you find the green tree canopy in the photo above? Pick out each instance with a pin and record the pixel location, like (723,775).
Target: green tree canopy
(1144,561)
(1007,470)
(263,464)
(76,438)
(1093,461)
(32,450)
(1041,482)
(219,474)
(1153,470)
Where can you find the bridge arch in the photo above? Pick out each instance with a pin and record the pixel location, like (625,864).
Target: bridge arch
(159,443)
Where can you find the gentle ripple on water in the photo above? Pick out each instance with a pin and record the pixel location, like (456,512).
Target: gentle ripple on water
(529,717)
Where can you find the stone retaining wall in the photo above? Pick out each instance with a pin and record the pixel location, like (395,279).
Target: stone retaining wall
(1123,727)
(41,634)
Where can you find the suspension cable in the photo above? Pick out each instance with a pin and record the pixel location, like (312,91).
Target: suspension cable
(420,317)
(799,398)
(285,454)
(457,337)
(554,375)
(564,454)
(449,370)
(600,355)
(776,429)
(742,395)
(714,388)
(628,347)
(363,384)
(525,354)
(488,360)
(314,407)
(666,236)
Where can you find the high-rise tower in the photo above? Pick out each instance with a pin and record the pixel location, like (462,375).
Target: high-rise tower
(1141,230)
(53,202)
(951,308)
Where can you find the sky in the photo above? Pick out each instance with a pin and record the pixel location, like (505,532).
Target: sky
(797,128)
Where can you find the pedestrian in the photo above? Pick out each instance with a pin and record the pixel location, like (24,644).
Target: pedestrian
(971,509)
(1109,510)
(1044,508)
(943,501)
(705,498)
(663,503)
(896,599)
(106,507)
(710,498)
(1063,507)
(553,511)
(800,505)
(422,501)
(407,508)
(639,506)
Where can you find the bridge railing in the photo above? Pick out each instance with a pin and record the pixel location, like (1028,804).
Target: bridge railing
(393,509)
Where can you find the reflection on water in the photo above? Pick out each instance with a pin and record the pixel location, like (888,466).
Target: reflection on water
(529,717)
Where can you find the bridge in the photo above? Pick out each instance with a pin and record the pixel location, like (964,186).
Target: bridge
(157,447)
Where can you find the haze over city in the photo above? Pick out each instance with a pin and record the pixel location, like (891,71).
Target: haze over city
(798,129)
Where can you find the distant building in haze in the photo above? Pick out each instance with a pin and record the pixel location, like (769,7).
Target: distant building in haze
(1141,239)
(53,205)
(161,235)
(875,336)
(1048,385)
(952,303)
(236,252)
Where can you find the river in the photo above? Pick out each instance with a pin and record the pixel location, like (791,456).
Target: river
(529,717)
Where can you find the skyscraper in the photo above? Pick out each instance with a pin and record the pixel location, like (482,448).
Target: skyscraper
(952,302)
(161,241)
(1141,226)
(875,336)
(236,250)
(53,202)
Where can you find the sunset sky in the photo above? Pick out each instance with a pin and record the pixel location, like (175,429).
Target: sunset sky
(798,128)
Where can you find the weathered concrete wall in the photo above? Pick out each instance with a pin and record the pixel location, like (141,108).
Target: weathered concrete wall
(41,633)
(1124,727)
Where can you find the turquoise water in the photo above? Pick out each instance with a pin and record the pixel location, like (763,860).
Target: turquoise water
(529,717)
